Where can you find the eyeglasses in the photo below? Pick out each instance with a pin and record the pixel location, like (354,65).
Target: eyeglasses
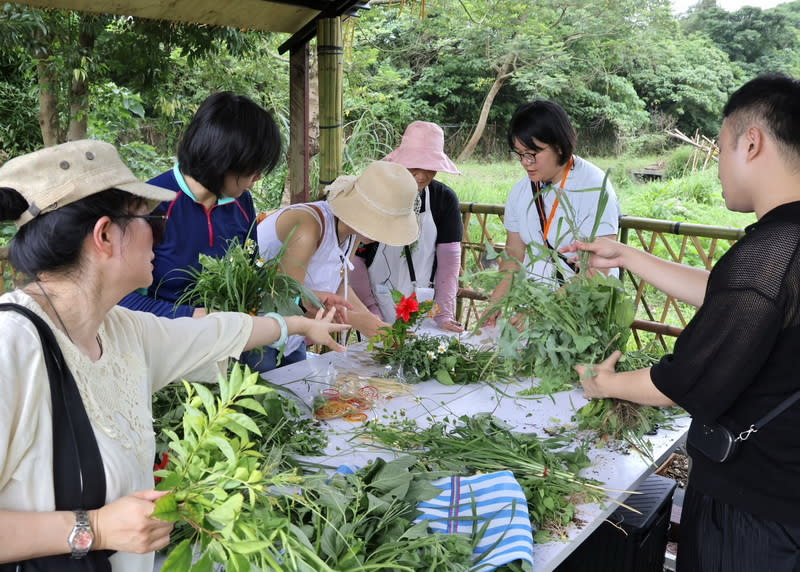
(529,158)
(157,222)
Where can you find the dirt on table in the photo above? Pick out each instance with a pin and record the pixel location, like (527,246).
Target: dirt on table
(677,469)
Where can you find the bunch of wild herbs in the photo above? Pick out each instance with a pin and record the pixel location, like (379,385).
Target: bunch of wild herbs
(547,472)
(235,506)
(551,329)
(444,358)
(240,281)
(365,520)
(548,332)
(619,420)
(219,483)
(281,421)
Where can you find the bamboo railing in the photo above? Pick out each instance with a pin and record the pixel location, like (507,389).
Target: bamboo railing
(659,318)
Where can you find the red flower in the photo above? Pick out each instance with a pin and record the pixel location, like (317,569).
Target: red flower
(162,464)
(406,305)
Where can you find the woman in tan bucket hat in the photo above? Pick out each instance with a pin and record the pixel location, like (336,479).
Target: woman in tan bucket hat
(430,265)
(319,239)
(76,462)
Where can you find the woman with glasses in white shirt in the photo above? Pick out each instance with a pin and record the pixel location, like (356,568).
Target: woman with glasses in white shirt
(557,200)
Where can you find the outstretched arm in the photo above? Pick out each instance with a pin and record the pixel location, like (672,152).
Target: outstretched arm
(683,282)
(267,330)
(361,318)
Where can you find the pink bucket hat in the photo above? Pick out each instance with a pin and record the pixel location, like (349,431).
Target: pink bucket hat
(422,147)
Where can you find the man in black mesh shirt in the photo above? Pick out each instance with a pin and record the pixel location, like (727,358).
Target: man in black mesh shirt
(739,357)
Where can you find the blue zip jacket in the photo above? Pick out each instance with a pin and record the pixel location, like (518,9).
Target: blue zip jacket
(191,230)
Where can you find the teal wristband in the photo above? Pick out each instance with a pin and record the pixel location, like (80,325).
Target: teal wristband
(284,330)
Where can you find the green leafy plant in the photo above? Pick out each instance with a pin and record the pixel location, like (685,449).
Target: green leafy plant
(283,423)
(546,470)
(444,358)
(365,520)
(242,282)
(220,485)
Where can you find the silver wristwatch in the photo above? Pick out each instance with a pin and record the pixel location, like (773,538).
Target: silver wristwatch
(81,538)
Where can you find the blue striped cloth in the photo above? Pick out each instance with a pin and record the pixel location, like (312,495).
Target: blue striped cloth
(493,500)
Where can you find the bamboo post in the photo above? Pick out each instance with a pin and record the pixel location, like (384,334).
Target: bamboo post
(299,152)
(331,108)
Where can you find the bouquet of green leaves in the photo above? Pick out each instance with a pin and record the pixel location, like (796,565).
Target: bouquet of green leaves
(547,332)
(420,357)
(241,281)
(444,358)
(409,314)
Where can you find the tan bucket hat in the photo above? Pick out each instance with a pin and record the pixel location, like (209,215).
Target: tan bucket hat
(57,176)
(381,204)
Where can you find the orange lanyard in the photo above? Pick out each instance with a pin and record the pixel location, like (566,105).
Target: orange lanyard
(554,208)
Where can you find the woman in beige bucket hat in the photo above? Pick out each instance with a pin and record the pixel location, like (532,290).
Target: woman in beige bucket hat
(319,239)
(429,266)
(85,240)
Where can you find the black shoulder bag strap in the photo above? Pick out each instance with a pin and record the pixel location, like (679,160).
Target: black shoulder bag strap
(410,263)
(78,473)
(555,255)
(772,414)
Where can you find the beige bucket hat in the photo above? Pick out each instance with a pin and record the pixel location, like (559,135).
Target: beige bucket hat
(57,176)
(380,204)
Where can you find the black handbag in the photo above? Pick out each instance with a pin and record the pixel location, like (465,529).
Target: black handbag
(719,443)
(78,473)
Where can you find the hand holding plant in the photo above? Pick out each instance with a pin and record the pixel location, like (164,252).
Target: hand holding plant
(240,281)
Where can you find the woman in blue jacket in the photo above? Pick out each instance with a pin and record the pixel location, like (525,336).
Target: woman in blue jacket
(230,143)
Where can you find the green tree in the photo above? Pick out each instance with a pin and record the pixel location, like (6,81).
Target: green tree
(757,40)
(684,77)
(71,51)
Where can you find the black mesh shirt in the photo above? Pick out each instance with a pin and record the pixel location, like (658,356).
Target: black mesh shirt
(738,358)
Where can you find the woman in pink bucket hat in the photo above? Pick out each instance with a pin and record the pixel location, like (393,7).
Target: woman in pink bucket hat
(431,264)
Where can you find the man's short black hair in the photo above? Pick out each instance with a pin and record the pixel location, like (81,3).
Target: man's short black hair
(771,100)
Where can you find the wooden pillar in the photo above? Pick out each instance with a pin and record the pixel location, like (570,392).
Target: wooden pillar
(331,109)
(299,113)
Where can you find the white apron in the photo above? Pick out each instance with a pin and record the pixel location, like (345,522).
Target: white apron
(389,269)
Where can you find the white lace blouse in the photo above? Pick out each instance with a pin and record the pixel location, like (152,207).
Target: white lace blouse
(141,354)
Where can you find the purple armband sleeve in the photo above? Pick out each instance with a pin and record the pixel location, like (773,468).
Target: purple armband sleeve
(445,282)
